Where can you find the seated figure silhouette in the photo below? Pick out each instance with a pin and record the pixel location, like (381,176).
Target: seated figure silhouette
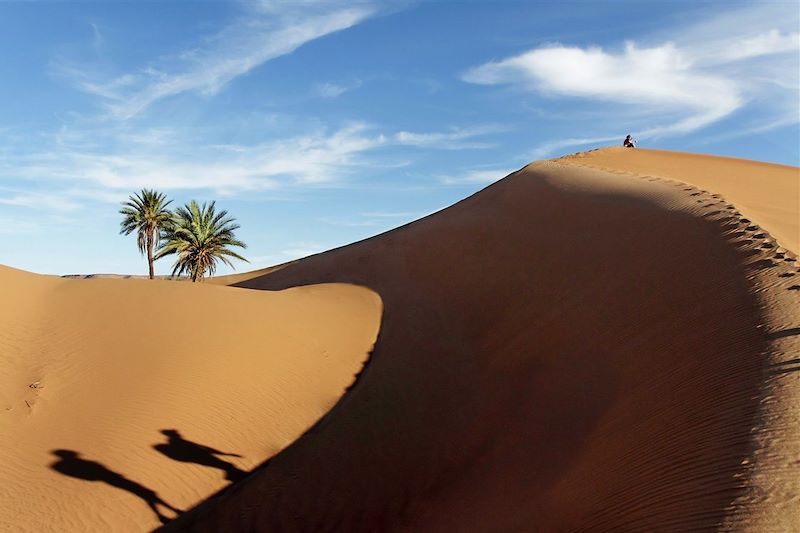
(629,142)
(186,451)
(71,464)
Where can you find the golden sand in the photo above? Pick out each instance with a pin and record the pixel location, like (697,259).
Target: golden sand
(604,342)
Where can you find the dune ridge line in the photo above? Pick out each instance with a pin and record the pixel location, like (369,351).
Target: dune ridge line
(568,349)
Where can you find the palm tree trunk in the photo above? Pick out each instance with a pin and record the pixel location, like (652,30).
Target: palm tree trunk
(150,254)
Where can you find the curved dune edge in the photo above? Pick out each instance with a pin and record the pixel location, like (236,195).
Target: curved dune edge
(101,367)
(567,349)
(765,192)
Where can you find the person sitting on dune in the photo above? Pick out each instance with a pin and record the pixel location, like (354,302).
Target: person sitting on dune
(628,142)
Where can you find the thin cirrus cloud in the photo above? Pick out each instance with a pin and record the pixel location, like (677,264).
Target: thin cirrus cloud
(313,159)
(50,202)
(386,219)
(293,251)
(268,32)
(768,43)
(476,177)
(142,159)
(330,90)
(454,139)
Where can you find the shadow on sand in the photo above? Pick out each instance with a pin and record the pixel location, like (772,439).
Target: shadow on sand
(71,464)
(186,451)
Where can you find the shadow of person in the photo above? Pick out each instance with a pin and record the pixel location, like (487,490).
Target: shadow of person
(186,451)
(71,464)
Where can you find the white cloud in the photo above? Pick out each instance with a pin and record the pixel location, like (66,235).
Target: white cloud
(97,37)
(388,214)
(267,33)
(35,200)
(332,90)
(291,252)
(768,43)
(476,177)
(302,249)
(15,226)
(312,159)
(752,129)
(455,139)
(374,219)
(692,78)
(661,77)
(101,162)
(548,148)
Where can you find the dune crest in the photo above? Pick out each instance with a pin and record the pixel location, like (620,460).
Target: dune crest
(765,192)
(568,349)
(124,402)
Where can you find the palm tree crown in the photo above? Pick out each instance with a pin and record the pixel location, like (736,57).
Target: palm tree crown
(200,237)
(146,213)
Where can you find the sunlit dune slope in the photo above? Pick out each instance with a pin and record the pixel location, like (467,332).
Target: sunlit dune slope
(766,192)
(115,395)
(569,349)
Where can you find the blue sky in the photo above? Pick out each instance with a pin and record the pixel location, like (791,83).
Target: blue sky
(320,123)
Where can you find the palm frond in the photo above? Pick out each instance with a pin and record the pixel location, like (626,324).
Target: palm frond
(146,214)
(200,237)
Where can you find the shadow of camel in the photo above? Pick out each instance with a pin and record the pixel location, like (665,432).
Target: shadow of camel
(186,451)
(71,464)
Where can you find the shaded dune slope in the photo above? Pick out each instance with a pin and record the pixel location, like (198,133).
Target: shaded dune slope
(569,349)
(123,401)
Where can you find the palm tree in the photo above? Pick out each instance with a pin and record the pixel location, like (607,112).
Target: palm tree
(200,237)
(145,213)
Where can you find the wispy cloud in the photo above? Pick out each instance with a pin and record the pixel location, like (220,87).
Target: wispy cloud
(374,219)
(36,200)
(768,43)
(548,148)
(695,78)
(389,214)
(15,226)
(265,33)
(476,177)
(293,251)
(330,90)
(90,163)
(454,139)
(660,77)
(316,158)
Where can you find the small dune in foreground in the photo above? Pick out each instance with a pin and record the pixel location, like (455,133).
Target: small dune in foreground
(123,402)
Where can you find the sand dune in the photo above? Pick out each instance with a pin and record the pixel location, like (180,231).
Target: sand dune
(115,395)
(569,349)
(766,192)
(572,348)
